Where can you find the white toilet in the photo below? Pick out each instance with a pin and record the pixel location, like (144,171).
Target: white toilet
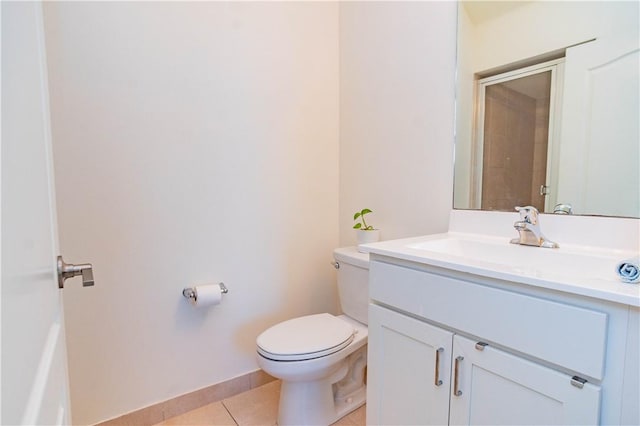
(321,358)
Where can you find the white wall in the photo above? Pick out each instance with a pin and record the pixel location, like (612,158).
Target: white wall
(199,142)
(541,26)
(397,63)
(465,109)
(193,142)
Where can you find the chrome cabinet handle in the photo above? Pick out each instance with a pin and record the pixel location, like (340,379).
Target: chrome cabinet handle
(456,389)
(68,270)
(437,380)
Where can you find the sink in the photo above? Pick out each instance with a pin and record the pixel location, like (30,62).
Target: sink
(486,250)
(584,264)
(574,262)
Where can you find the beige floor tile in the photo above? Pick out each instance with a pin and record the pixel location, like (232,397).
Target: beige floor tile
(345,421)
(359,416)
(258,406)
(213,414)
(202,397)
(355,418)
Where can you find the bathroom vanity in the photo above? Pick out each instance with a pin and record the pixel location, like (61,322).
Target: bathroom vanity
(469,329)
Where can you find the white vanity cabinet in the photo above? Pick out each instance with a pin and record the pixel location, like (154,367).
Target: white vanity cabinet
(453,348)
(409,384)
(493,387)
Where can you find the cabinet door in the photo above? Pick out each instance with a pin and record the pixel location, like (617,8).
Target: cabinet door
(498,388)
(409,370)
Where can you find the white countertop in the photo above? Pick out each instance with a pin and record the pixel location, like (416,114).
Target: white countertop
(573,269)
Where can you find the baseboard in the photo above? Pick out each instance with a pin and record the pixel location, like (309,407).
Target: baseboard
(157,413)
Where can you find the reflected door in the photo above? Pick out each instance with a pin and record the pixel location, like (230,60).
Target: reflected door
(514,138)
(600,155)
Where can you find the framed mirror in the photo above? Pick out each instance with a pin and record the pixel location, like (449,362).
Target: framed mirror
(548,107)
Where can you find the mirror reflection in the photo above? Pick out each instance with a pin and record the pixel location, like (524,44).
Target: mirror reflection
(548,106)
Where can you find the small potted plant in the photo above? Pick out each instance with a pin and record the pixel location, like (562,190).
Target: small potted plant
(365,233)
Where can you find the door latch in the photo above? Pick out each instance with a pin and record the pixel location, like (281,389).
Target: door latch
(544,190)
(68,270)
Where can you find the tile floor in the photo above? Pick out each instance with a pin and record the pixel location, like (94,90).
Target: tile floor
(258,406)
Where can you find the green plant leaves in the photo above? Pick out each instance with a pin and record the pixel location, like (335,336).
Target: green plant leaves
(362,225)
(361,213)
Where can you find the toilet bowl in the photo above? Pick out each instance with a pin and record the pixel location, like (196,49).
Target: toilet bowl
(321,358)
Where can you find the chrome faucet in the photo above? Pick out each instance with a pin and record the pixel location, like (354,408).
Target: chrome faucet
(529,229)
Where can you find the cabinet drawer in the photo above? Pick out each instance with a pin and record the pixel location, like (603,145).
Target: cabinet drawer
(564,335)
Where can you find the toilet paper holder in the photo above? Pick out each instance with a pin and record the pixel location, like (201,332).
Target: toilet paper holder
(190,292)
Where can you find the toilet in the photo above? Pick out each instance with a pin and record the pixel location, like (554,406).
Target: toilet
(321,358)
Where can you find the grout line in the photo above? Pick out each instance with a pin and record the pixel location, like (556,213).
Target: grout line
(232,418)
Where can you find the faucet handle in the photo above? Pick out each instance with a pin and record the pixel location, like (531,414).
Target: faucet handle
(563,209)
(528,214)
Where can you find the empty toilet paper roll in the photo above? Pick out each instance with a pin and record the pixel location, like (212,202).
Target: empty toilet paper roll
(207,295)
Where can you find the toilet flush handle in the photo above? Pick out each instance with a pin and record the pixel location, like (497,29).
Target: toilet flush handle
(335,264)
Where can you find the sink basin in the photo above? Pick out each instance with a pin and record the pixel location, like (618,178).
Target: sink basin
(564,261)
(487,250)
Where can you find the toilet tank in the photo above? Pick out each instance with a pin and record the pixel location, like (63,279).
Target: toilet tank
(353,282)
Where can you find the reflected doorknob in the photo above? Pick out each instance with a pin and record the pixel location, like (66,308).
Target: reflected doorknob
(68,270)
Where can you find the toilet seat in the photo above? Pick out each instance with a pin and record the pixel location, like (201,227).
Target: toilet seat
(304,338)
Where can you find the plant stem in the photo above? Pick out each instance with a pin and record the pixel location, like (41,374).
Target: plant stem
(364,223)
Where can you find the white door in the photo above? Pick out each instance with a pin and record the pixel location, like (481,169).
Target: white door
(491,387)
(34,369)
(599,166)
(410,384)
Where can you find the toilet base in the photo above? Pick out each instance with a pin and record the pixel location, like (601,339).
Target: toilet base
(323,402)
(323,411)
(350,403)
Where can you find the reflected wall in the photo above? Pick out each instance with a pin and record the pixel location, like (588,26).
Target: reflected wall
(503,37)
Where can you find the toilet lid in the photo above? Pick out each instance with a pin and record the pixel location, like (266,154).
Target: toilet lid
(307,337)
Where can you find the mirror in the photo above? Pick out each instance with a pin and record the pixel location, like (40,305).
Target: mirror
(547,107)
